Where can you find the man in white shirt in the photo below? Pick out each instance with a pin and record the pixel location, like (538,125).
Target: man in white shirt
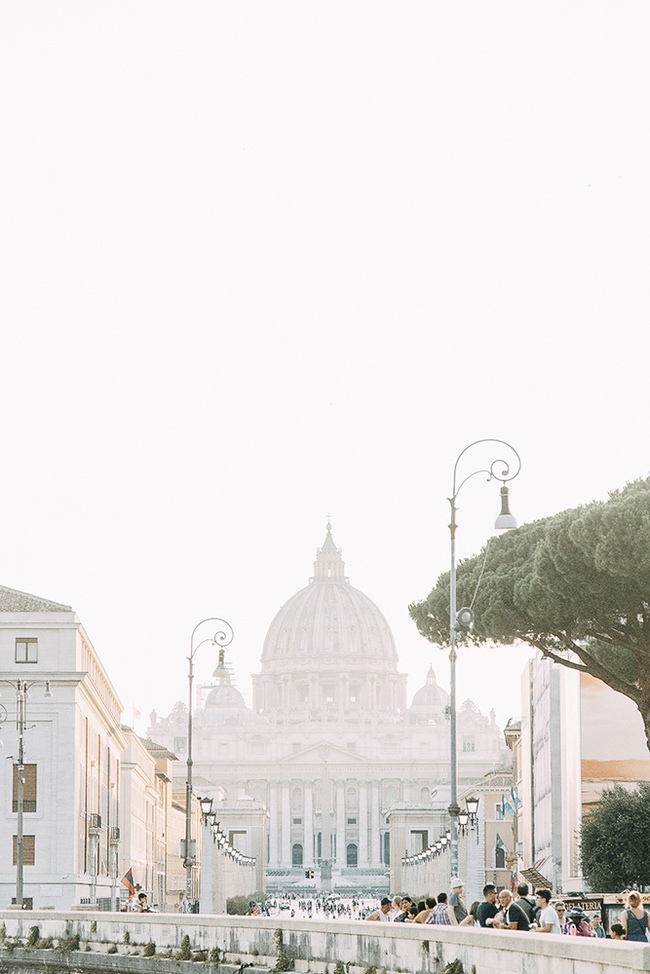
(383,914)
(548,918)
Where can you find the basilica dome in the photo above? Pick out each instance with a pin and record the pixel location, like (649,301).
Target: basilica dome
(430,696)
(329,619)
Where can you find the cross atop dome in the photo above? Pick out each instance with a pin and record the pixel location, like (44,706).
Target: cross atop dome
(329,564)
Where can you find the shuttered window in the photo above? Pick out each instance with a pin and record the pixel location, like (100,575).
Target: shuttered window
(29,789)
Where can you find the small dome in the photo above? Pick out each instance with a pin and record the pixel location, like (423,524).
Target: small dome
(224,695)
(430,696)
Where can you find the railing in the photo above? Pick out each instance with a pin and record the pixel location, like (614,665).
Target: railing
(314,945)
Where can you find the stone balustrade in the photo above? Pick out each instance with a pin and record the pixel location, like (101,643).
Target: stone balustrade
(317,945)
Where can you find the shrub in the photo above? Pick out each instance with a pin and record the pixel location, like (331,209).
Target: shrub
(185,953)
(66,944)
(112,949)
(34,936)
(149,949)
(214,956)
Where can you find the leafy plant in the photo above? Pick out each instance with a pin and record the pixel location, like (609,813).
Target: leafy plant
(214,956)
(149,949)
(68,943)
(112,949)
(339,967)
(127,937)
(34,937)
(609,860)
(185,953)
(453,967)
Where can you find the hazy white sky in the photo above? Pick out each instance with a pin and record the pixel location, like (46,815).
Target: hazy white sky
(266,261)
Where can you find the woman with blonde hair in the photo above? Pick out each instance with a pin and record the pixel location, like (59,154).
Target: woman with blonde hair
(634,920)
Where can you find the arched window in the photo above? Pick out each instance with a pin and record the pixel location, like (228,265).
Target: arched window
(351,857)
(296,855)
(425,796)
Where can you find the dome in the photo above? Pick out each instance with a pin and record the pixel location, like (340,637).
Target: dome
(224,695)
(329,618)
(430,696)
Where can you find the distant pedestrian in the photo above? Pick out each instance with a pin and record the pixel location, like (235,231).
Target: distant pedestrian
(635,919)
(548,920)
(617,931)
(527,904)
(514,917)
(488,909)
(440,913)
(597,925)
(458,910)
(425,912)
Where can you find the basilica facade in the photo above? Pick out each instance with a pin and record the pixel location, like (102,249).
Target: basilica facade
(331,744)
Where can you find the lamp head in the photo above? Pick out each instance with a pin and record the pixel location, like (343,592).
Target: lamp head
(505,520)
(206,805)
(472,806)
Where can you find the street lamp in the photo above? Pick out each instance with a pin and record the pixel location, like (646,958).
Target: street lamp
(500,470)
(22,692)
(222,637)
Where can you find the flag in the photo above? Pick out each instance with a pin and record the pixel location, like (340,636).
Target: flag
(127,881)
(516,800)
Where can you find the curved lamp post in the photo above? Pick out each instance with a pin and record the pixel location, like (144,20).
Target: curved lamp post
(503,471)
(222,637)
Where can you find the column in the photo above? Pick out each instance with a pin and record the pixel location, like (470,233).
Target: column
(285,838)
(340,824)
(363,825)
(308,819)
(274,822)
(375,853)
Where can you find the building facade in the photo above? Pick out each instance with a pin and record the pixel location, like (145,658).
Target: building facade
(72,741)
(330,744)
(576,737)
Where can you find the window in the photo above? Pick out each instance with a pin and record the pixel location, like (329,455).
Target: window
(27,650)
(29,850)
(296,855)
(352,821)
(296,821)
(29,788)
(469,745)
(180,745)
(351,856)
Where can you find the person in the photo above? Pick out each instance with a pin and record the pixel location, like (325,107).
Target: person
(547,920)
(514,917)
(253,909)
(578,923)
(488,909)
(471,920)
(423,915)
(142,905)
(635,919)
(457,908)
(403,914)
(560,909)
(617,931)
(440,912)
(525,902)
(597,925)
(384,911)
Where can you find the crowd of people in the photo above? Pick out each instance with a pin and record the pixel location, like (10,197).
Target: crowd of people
(502,910)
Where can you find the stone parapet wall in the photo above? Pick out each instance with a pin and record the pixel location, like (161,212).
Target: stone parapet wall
(314,945)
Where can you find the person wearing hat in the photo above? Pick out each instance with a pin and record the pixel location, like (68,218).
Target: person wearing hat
(578,923)
(457,908)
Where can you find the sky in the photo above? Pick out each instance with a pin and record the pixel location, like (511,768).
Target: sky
(265,262)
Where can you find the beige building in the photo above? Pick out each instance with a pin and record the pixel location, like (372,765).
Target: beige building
(576,737)
(331,743)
